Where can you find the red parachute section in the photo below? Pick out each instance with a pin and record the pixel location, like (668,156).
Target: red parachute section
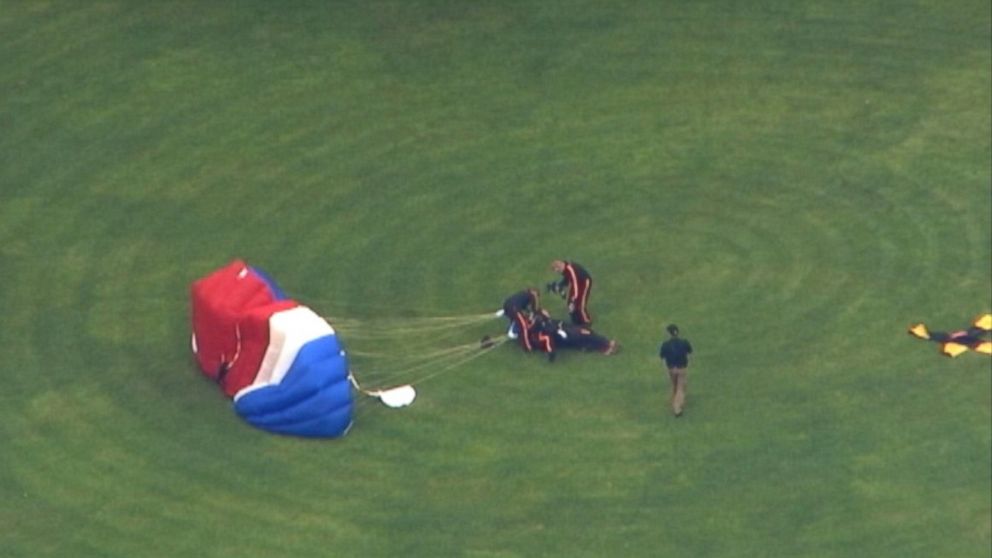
(230,312)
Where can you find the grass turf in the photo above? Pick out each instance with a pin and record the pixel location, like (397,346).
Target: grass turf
(794,183)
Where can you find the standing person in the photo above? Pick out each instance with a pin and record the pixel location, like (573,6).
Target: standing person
(675,352)
(516,309)
(579,284)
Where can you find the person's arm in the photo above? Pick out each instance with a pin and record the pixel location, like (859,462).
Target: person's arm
(573,293)
(548,345)
(524,332)
(571,278)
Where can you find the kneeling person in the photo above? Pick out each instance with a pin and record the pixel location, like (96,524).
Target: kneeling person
(516,309)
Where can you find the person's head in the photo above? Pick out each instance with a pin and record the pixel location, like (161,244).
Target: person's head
(673,330)
(558,266)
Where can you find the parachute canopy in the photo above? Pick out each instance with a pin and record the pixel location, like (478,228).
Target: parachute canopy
(280,362)
(976,337)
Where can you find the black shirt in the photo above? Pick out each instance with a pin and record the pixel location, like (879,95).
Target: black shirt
(518,302)
(675,352)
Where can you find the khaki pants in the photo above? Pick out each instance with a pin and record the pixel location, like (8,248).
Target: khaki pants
(678,377)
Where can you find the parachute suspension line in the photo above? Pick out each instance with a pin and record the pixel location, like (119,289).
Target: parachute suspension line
(459,318)
(394,327)
(237,336)
(388,352)
(401,348)
(457,356)
(354,383)
(465,360)
(396,397)
(363,405)
(426,335)
(225,366)
(388,375)
(421,320)
(423,356)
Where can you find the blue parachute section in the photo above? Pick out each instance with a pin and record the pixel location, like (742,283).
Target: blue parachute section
(313,399)
(277,293)
(280,361)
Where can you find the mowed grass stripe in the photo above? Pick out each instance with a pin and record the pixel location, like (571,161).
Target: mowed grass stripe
(430,159)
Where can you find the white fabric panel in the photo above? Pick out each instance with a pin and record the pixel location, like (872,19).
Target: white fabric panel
(289,330)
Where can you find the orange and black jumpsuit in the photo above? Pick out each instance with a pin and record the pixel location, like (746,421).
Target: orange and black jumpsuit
(584,339)
(569,336)
(579,284)
(515,309)
(543,337)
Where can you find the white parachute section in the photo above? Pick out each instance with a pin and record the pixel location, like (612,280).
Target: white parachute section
(394,397)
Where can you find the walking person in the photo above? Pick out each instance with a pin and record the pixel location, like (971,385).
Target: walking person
(675,353)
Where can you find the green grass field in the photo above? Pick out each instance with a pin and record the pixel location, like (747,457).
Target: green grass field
(793,182)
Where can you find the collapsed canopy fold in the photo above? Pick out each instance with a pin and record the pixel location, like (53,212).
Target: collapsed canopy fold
(280,361)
